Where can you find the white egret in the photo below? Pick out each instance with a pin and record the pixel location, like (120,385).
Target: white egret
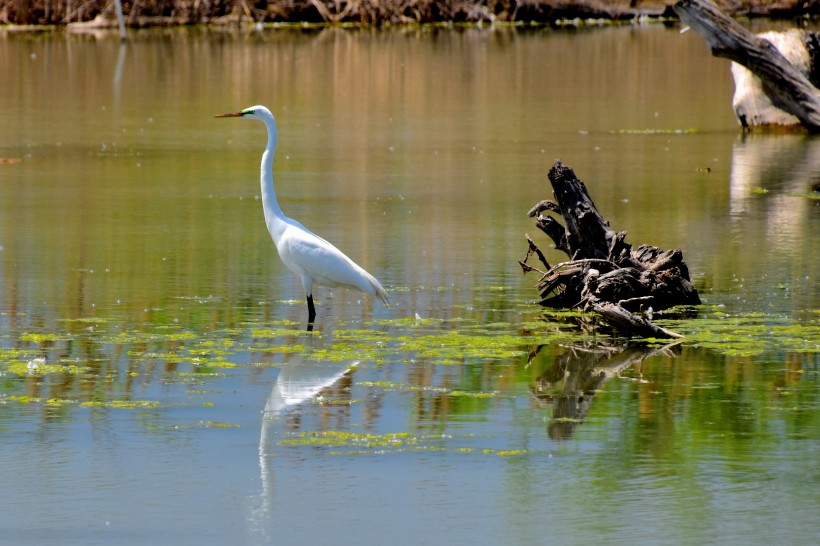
(313,259)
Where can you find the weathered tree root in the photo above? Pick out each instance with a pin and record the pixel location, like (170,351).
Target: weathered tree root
(604,274)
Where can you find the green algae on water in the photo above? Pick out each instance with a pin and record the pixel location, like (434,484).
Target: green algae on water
(341,438)
(121,404)
(748,335)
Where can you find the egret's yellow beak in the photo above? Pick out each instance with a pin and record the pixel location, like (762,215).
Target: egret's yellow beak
(231,115)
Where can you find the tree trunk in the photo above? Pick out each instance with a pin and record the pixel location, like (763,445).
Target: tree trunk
(787,87)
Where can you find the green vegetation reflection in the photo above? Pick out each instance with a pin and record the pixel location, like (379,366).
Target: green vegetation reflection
(96,363)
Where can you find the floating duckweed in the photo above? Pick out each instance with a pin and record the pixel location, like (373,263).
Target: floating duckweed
(434,448)
(292,302)
(218,364)
(218,424)
(168,356)
(504,452)
(271,333)
(455,347)
(339,438)
(363,335)
(375,444)
(748,335)
(473,394)
(339,402)
(410,322)
(20,399)
(123,338)
(121,404)
(340,353)
(391,386)
(58,402)
(159,351)
(42,338)
(199,374)
(13,354)
(86,320)
(204,424)
(284,349)
(40,367)
(383,384)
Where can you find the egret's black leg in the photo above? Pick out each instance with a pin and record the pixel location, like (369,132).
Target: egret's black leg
(311,310)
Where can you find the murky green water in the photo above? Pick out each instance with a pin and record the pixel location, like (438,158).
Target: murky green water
(157,385)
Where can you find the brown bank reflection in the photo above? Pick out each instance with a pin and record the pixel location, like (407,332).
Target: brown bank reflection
(570,384)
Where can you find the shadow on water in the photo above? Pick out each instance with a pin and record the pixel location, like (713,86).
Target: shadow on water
(570,384)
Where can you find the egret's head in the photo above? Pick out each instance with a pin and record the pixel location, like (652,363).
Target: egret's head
(253,112)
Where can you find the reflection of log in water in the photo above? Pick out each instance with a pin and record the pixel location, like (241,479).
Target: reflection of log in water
(569,386)
(783,167)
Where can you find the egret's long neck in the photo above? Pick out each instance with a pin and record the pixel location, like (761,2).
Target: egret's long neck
(274,217)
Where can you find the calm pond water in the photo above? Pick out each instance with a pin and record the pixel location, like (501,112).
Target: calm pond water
(156,384)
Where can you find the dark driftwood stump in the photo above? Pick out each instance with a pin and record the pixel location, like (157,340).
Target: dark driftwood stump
(604,274)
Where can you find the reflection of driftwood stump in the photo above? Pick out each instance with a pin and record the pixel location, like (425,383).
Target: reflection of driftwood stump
(604,273)
(573,379)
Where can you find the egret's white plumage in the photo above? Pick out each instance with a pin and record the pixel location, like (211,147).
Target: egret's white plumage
(313,259)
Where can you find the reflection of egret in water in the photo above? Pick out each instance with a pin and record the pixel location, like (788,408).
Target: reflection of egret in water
(782,166)
(570,384)
(301,381)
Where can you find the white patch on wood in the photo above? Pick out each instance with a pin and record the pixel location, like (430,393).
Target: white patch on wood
(752,106)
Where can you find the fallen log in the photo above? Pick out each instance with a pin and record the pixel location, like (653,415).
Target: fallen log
(604,274)
(778,90)
(632,324)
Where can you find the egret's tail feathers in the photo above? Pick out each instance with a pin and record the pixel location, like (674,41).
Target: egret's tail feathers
(380,292)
